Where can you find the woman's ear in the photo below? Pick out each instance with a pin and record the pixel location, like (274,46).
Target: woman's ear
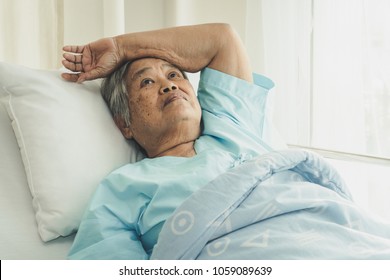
(121,124)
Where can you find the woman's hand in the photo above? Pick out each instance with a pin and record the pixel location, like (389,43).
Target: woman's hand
(190,48)
(92,61)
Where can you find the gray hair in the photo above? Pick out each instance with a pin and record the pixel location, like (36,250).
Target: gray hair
(115,94)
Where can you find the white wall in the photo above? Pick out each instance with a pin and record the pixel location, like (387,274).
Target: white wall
(85,20)
(144,15)
(204,11)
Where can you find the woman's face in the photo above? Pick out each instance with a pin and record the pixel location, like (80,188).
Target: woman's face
(162,103)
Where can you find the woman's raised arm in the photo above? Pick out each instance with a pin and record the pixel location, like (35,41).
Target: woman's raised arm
(190,48)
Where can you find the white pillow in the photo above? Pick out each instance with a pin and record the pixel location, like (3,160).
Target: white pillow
(68,143)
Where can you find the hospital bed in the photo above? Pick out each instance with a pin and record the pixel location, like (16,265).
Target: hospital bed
(58,141)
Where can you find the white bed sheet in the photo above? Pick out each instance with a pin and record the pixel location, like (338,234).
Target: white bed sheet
(19,237)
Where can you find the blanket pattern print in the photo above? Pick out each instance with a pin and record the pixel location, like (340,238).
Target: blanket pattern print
(283,205)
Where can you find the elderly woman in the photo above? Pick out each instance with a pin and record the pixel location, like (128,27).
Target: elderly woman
(205,189)
(151,78)
(187,143)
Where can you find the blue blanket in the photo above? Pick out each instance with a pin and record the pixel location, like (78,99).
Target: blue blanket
(283,205)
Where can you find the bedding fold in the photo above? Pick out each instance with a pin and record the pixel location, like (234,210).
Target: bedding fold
(287,204)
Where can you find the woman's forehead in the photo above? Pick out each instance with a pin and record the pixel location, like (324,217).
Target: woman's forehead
(143,65)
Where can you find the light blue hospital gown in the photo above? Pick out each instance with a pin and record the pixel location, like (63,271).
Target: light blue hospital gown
(127,211)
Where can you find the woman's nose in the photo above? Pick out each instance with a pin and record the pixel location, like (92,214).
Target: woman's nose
(166,88)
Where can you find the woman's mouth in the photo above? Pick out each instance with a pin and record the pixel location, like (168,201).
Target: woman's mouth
(173,97)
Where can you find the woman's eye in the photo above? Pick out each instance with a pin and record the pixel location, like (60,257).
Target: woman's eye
(173,75)
(146,82)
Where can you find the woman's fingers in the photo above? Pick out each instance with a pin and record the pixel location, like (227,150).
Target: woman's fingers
(73,57)
(73,49)
(76,78)
(73,62)
(70,77)
(73,66)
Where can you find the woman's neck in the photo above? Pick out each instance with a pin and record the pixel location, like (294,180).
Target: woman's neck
(182,150)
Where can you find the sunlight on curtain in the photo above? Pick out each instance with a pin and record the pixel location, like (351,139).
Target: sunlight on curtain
(368,185)
(331,63)
(351,76)
(31,32)
(114,17)
(253,38)
(286,42)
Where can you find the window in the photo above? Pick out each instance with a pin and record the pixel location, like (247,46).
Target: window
(331,64)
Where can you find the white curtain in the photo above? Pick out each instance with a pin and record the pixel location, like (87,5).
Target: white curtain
(338,51)
(31,32)
(331,64)
(287,43)
(113,17)
(330,60)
